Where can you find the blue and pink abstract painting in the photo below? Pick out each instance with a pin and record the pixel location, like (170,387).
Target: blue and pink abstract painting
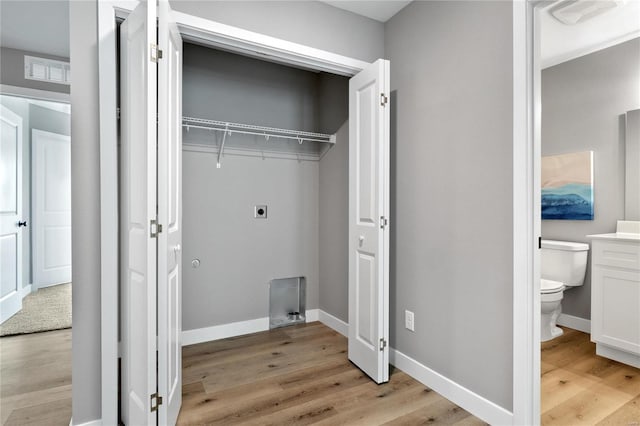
(567,186)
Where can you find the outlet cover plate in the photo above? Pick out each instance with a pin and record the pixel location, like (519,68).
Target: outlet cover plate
(260,211)
(409,320)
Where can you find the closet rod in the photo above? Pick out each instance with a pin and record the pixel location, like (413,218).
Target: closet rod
(249,129)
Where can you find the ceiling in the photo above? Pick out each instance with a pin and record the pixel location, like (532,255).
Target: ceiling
(379,10)
(561,43)
(36,26)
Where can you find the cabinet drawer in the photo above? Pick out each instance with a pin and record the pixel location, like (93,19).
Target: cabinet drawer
(616,254)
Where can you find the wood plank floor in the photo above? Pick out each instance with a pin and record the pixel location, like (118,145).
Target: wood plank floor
(581,388)
(35,379)
(300,375)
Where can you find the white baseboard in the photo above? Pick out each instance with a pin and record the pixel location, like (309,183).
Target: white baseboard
(333,322)
(575,323)
(26,290)
(97,422)
(207,334)
(459,395)
(223,331)
(312,315)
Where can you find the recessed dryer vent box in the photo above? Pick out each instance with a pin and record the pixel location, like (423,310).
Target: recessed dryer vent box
(287,301)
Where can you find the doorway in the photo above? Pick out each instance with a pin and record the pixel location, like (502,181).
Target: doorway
(587,93)
(35,331)
(373,91)
(36,271)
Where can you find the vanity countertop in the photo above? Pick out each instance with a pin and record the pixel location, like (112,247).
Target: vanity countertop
(616,236)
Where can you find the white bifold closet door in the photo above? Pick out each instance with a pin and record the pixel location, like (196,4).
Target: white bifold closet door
(368,220)
(170,216)
(150,216)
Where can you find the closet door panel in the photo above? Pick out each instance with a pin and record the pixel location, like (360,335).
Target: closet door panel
(138,254)
(368,220)
(170,216)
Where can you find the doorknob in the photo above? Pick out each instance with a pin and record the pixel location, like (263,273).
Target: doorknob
(177,248)
(361,239)
(22,223)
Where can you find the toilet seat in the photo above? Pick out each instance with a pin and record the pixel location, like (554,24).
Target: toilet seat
(550,286)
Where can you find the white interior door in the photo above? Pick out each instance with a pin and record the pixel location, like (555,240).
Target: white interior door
(170,216)
(10,213)
(51,208)
(368,220)
(138,243)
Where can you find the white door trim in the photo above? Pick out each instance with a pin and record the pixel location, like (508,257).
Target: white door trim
(210,32)
(526,212)
(27,92)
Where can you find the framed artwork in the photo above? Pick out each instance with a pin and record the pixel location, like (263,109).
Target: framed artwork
(567,186)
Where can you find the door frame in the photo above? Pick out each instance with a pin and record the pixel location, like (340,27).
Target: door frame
(526,191)
(526,210)
(192,28)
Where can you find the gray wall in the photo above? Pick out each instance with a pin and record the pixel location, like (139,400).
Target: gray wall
(239,254)
(451,180)
(218,203)
(309,23)
(334,199)
(228,87)
(12,70)
(85,207)
(583,102)
(33,117)
(334,227)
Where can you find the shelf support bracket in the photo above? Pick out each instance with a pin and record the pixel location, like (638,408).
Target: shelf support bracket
(224,138)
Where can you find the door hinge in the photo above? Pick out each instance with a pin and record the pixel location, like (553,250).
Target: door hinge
(383,344)
(384,222)
(118,113)
(157,403)
(383,99)
(539,242)
(156,54)
(155,228)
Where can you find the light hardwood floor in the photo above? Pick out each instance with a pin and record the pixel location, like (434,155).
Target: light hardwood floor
(35,379)
(300,375)
(581,388)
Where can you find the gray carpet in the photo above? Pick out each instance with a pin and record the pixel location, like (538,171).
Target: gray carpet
(46,309)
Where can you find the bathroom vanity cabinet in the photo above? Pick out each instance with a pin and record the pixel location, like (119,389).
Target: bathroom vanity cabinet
(615,296)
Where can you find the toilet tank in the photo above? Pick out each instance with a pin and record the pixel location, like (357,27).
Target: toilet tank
(564,261)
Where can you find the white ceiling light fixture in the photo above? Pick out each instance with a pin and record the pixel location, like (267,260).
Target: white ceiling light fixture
(571,12)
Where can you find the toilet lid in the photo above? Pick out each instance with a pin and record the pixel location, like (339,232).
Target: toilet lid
(549,286)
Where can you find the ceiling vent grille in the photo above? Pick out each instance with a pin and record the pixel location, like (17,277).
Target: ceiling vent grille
(49,70)
(571,12)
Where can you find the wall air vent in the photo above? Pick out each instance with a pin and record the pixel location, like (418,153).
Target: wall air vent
(49,70)
(571,12)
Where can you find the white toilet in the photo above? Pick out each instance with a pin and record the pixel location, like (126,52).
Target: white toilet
(562,265)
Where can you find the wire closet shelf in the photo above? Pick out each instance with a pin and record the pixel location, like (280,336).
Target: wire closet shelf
(249,129)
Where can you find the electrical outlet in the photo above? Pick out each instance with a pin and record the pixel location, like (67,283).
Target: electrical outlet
(408,321)
(260,212)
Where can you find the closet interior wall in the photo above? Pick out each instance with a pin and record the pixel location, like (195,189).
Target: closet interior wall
(238,253)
